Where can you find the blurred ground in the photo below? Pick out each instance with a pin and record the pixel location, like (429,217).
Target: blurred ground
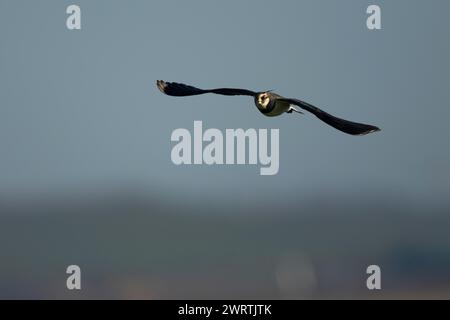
(132,245)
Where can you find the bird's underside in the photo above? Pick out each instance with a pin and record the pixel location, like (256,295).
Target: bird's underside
(270,104)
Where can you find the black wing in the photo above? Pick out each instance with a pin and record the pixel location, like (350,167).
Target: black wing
(183,90)
(346,126)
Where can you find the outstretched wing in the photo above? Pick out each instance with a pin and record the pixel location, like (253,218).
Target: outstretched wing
(346,126)
(183,90)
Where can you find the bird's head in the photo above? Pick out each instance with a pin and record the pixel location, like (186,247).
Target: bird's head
(263,99)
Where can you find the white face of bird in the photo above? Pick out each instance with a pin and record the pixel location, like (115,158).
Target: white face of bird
(263,99)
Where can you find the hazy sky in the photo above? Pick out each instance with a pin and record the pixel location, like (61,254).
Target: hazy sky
(80,108)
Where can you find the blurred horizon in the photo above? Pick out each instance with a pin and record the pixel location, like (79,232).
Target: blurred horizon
(132,245)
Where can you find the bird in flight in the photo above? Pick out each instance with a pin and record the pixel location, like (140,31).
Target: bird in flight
(270,104)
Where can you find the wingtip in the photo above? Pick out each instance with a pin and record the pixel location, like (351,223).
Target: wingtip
(373,130)
(161,85)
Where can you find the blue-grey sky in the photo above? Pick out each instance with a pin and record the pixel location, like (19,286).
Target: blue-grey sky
(79,109)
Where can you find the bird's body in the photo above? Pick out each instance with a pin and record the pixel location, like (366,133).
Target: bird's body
(270,104)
